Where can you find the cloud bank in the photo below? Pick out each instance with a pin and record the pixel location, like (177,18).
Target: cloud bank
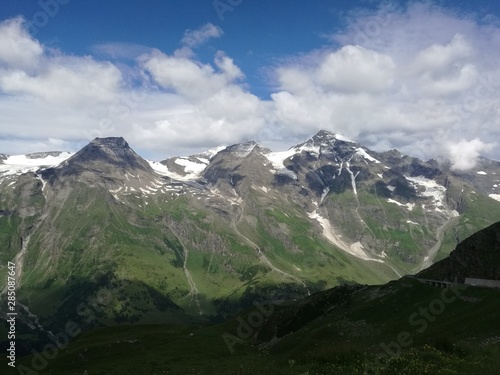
(419,78)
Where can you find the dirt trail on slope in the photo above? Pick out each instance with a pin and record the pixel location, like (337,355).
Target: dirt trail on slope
(192,285)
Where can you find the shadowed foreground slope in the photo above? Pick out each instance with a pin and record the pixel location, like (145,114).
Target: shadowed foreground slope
(403,327)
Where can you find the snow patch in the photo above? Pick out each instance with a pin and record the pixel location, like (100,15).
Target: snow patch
(328,231)
(278,158)
(191,167)
(409,206)
(358,251)
(289,173)
(171,188)
(355,249)
(325,193)
(116,190)
(129,174)
(19,164)
(159,168)
(482,173)
(365,155)
(209,154)
(432,189)
(144,191)
(308,148)
(390,200)
(157,183)
(353,178)
(495,197)
(42,180)
(163,170)
(340,137)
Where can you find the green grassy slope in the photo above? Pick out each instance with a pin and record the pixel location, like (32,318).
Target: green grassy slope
(85,242)
(345,330)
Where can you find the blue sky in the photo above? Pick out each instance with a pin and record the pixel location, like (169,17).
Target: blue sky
(175,77)
(255,33)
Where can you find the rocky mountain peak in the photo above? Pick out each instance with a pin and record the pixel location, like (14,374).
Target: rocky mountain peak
(105,156)
(115,147)
(328,144)
(118,142)
(112,150)
(245,148)
(325,136)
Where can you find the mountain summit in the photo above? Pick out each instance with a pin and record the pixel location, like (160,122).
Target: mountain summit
(327,136)
(113,151)
(109,158)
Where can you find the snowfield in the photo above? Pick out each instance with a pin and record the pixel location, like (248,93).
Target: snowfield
(19,164)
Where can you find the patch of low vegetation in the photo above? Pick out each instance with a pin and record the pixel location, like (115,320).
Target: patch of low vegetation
(346,330)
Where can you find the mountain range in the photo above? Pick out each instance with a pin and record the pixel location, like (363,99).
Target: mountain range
(196,239)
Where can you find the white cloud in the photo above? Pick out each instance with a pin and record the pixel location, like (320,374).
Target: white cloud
(351,70)
(183,103)
(17,47)
(454,83)
(418,78)
(227,67)
(356,69)
(414,78)
(464,154)
(217,110)
(439,59)
(66,81)
(183,75)
(28,70)
(193,38)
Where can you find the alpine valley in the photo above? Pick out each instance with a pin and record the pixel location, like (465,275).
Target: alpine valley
(193,240)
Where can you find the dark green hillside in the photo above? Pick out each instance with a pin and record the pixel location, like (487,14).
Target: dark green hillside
(346,330)
(477,256)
